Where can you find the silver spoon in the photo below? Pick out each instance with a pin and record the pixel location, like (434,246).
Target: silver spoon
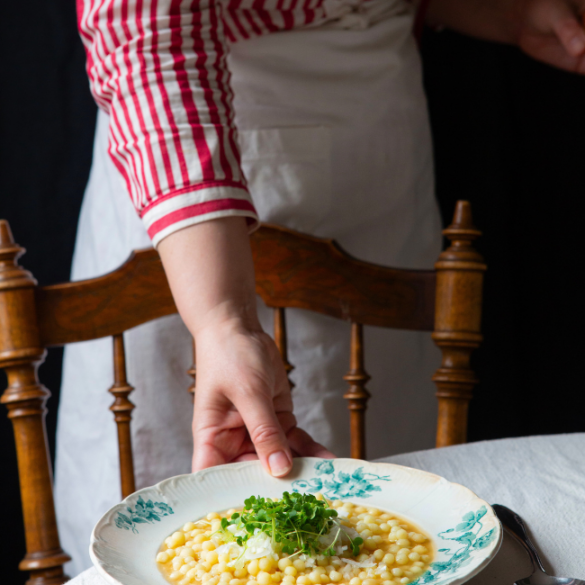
(515,527)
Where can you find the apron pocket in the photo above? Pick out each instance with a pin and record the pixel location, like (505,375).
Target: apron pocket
(289,174)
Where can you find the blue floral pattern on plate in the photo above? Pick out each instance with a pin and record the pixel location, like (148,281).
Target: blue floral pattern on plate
(147,512)
(467,536)
(358,484)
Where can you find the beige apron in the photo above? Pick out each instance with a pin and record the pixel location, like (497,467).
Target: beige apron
(335,142)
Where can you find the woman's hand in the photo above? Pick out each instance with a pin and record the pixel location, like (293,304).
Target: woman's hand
(552,31)
(548,30)
(243,408)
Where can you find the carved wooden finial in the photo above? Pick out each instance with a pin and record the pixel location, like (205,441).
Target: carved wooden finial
(462,218)
(6,237)
(11,274)
(462,227)
(462,233)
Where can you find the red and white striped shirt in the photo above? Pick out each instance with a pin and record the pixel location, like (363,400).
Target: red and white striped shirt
(158,68)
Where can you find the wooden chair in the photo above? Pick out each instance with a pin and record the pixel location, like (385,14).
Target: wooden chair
(292,270)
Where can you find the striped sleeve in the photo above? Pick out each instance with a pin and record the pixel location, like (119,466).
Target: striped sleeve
(158,68)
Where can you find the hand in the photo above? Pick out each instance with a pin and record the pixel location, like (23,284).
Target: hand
(243,407)
(551,31)
(548,30)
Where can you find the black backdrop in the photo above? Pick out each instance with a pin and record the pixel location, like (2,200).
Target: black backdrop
(509,136)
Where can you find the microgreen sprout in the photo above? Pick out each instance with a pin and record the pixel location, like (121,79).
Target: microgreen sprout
(295,523)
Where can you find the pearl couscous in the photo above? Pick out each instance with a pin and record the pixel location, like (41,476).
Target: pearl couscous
(217,551)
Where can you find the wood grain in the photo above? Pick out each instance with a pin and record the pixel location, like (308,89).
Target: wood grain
(296,270)
(134,294)
(292,270)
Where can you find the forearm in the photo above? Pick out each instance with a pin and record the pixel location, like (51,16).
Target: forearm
(210,271)
(494,20)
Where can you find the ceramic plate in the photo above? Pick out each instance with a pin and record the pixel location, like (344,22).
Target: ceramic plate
(464,529)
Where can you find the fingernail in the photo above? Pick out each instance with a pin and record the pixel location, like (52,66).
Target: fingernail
(279,463)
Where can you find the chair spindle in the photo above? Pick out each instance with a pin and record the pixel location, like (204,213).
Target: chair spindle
(25,398)
(122,409)
(192,371)
(357,395)
(460,271)
(280,339)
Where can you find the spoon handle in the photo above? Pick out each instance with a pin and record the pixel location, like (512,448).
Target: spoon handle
(516,527)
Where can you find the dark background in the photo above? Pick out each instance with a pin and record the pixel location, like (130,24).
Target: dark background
(509,136)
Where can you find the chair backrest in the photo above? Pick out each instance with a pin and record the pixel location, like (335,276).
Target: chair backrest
(292,270)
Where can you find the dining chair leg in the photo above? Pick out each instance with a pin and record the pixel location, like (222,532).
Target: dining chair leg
(25,398)
(460,271)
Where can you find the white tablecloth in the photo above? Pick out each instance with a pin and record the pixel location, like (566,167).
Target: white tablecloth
(541,478)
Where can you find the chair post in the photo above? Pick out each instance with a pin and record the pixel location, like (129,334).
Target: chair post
(25,398)
(357,396)
(281,340)
(122,409)
(460,271)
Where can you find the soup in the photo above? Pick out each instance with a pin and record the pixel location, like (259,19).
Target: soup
(297,540)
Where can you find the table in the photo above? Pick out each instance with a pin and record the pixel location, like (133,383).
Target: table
(542,478)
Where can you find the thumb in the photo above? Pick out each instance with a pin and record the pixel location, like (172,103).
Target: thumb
(270,442)
(568,29)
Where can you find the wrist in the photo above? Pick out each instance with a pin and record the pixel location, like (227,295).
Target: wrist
(227,318)
(210,271)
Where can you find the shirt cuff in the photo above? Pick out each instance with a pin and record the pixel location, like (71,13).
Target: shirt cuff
(180,209)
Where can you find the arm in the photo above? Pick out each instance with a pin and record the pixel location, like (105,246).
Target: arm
(243,407)
(159,70)
(548,30)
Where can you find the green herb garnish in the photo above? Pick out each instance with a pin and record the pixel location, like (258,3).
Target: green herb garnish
(295,522)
